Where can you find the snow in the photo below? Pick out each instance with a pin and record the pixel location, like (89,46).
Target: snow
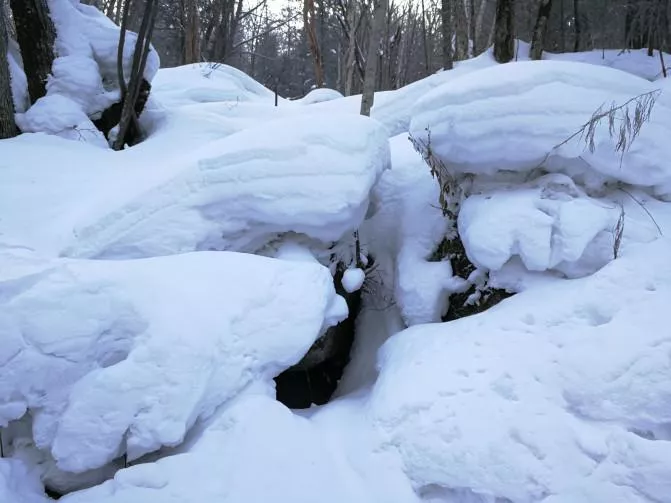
(20,484)
(353,279)
(18,79)
(523,403)
(208,83)
(319,96)
(499,119)
(175,337)
(131,323)
(546,224)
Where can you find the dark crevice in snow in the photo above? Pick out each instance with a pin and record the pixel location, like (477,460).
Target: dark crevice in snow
(315,378)
(479,296)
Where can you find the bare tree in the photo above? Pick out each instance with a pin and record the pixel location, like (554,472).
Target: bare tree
(577,24)
(7,124)
(36,36)
(540,29)
(504,42)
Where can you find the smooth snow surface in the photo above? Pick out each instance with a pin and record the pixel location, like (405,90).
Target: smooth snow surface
(353,280)
(20,484)
(319,96)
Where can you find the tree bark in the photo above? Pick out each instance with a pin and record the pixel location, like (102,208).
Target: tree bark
(7,124)
(540,29)
(191,26)
(311,35)
(372,61)
(577,24)
(478,27)
(447,32)
(460,30)
(351,50)
(471,27)
(36,36)
(504,40)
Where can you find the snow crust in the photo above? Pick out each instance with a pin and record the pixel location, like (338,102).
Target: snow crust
(175,337)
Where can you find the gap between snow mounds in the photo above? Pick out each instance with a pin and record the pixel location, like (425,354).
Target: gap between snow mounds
(197,329)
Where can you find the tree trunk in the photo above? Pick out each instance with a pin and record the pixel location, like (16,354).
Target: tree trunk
(504,40)
(191,26)
(472,32)
(447,32)
(372,61)
(351,50)
(576,22)
(7,124)
(425,40)
(540,29)
(36,36)
(460,30)
(311,35)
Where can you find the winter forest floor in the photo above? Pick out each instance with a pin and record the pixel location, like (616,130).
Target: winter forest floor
(150,297)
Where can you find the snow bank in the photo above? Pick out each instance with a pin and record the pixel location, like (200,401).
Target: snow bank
(257,450)
(301,175)
(19,484)
(207,83)
(510,117)
(522,402)
(127,355)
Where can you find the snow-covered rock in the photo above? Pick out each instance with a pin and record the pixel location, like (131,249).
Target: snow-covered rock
(511,117)
(207,83)
(319,96)
(560,393)
(125,356)
(548,223)
(297,175)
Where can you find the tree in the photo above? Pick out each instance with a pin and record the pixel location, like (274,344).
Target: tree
(313,43)
(540,29)
(373,59)
(504,42)
(191,24)
(577,24)
(7,125)
(36,36)
(447,32)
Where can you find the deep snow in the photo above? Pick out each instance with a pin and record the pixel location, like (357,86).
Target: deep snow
(129,333)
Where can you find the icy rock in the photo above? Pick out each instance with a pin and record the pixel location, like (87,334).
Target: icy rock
(125,356)
(510,117)
(522,402)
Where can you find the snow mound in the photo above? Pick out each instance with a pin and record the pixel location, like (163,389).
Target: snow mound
(523,403)
(125,356)
(510,117)
(257,450)
(298,175)
(546,223)
(19,484)
(206,83)
(319,96)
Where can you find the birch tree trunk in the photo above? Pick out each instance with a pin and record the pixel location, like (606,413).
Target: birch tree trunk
(36,36)
(540,29)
